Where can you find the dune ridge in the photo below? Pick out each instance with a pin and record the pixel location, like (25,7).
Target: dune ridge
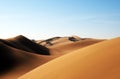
(65,46)
(23,43)
(98,61)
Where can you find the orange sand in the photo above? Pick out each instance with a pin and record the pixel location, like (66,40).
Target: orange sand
(98,61)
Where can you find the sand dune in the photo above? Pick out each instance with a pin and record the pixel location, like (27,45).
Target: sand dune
(98,61)
(23,43)
(65,46)
(62,45)
(19,55)
(15,62)
(56,40)
(43,42)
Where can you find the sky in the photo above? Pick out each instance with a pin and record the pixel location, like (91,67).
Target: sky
(41,19)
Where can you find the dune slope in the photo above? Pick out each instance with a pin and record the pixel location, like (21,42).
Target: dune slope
(68,46)
(15,62)
(98,61)
(23,43)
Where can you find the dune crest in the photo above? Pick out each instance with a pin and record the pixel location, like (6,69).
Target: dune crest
(63,45)
(23,43)
(98,61)
(69,46)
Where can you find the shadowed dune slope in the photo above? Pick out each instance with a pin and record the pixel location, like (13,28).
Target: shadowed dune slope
(7,60)
(98,61)
(15,62)
(23,43)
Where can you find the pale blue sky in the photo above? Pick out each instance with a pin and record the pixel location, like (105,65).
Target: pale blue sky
(40,19)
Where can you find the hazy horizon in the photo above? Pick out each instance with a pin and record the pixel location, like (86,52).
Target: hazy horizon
(40,19)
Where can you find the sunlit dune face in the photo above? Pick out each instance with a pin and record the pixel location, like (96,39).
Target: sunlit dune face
(99,61)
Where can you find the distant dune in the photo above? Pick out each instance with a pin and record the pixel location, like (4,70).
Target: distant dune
(57,40)
(25,44)
(62,45)
(98,61)
(65,46)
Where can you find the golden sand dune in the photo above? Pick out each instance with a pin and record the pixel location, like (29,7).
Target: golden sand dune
(19,55)
(65,46)
(62,45)
(44,42)
(15,62)
(23,43)
(57,40)
(98,61)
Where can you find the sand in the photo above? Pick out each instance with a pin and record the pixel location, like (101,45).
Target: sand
(15,58)
(20,55)
(98,61)
(62,45)
(20,62)
(23,43)
(65,46)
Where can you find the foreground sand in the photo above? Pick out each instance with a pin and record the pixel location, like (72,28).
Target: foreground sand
(26,63)
(98,61)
